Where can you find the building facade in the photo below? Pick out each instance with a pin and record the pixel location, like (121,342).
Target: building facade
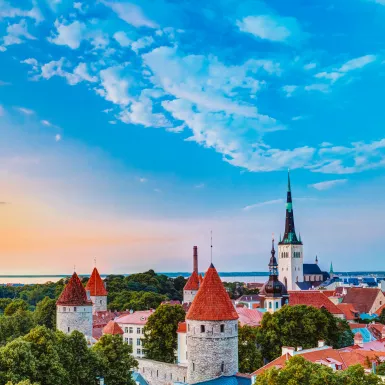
(74,309)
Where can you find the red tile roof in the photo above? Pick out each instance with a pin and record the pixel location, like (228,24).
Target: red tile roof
(348,309)
(328,293)
(135,318)
(96,285)
(379,311)
(182,327)
(357,326)
(193,282)
(212,302)
(250,317)
(112,328)
(313,298)
(362,298)
(74,293)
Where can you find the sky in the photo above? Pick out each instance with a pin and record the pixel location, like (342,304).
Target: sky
(129,130)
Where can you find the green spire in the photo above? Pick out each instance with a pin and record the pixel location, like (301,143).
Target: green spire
(331,268)
(280,238)
(299,237)
(288,181)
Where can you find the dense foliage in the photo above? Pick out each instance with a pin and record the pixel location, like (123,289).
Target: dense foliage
(299,371)
(237,289)
(143,290)
(48,357)
(249,355)
(301,326)
(160,337)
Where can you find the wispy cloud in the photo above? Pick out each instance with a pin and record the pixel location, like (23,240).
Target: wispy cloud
(200,185)
(328,184)
(143,180)
(260,204)
(24,110)
(3,83)
(2,110)
(58,138)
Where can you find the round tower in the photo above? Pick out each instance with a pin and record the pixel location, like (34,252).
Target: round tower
(98,292)
(74,309)
(212,332)
(192,285)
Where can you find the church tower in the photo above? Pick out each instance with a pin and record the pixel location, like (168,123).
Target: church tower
(273,292)
(95,286)
(212,332)
(290,249)
(74,309)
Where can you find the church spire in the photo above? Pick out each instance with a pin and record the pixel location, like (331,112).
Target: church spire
(290,236)
(273,265)
(331,268)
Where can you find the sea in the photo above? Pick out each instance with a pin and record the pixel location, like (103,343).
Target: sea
(248,276)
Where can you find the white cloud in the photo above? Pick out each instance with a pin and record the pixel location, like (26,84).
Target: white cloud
(68,34)
(270,27)
(16,33)
(115,87)
(131,14)
(32,62)
(46,123)
(310,66)
(260,204)
(3,83)
(143,42)
(122,38)
(289,90)
(299,117)
(143,180)
(200,185)
(328,184)
(58,138)
(82,71)
(112,122)
(25,111)
(321,87)
(9,12)
(2,110)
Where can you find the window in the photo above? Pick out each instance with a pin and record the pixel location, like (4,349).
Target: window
(270,305)
(193,366)
(126,340)
(137,330)
(64,308)
(222,328)
(126,330)
(138,352)
(222,367)
(142,330)
(235,327)
(131,330)
(138,341)
(68,329)
(100,301)
(276,305)
(186,355)
(157,373)
(74,308)
(188,327)
(130,341)
(202,328)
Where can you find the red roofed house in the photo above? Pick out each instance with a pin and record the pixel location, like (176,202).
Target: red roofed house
(325,355)
(365,299)
(212,332)
(98,292)
(192,285)
(315,298)
(74,309)
(350,312)
(113,328)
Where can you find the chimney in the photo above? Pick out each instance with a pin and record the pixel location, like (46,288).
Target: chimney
(195,259)
(321,343)
(299,348)
(358,340)
(288,350)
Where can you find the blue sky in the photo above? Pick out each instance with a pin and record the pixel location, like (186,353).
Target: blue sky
(130,129)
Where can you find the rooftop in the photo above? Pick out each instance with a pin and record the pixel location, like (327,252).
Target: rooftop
(193,282)
(74,294)
(313,298)
(135,318)
(250,317)
(96,285)
(112,328)
(361,297)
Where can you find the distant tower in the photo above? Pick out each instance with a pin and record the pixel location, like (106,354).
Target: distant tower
(331,272)
(98,292)
(316,260)
(290,249)
(273,291)
(74,309)
(192,285)
(212,332)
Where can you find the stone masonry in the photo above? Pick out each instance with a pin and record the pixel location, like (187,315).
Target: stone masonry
(212,349)
(70,318)
(99,303)
(161,373)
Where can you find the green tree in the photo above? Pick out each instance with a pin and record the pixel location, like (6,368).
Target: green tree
(115,360)
(25,382)
(16,325)
(4,302)
(160,337)
(249,356)
(300,326)
(381,318)
(79,361)
(355,375)
(45,313)
(14,306)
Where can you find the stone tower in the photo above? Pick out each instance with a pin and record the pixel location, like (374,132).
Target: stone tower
(212,332)
(74,309)
(95,286)
(273,292)
(290,249)
(192,284)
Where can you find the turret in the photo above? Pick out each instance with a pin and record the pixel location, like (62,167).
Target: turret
(192,284)
(212,332)
(74,309)
(98,293)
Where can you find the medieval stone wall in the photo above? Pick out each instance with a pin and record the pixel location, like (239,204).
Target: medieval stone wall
(99,303)
(70,318)
(212,349)
(188,295)
(161,373)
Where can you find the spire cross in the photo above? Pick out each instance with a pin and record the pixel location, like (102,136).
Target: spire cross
(211,247)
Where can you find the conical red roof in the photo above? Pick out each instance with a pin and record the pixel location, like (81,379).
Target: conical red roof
(96,285)
(193,282)
(212,302)
(112,328)
(74,293)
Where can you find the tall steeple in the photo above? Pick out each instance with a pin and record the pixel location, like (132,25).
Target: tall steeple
(290,236)
(331,272)
(273,265)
